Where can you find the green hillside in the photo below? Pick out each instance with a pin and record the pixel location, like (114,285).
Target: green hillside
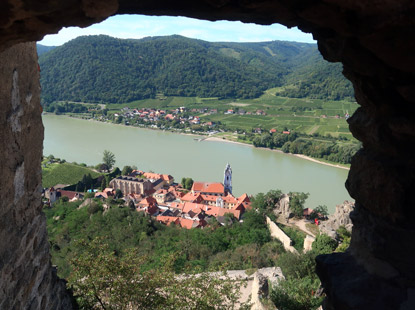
(65,173)
(109,70)
(41,49)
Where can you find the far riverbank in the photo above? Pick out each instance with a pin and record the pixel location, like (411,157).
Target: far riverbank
(279,151)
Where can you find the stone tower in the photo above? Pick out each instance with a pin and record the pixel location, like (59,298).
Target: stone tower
(227,180)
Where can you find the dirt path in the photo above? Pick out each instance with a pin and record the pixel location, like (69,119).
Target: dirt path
(301,224)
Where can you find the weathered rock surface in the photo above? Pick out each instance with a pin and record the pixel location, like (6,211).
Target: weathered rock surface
(341,217)
(282,209)
(28,280)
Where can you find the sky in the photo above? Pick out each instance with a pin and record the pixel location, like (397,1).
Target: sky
(140,26)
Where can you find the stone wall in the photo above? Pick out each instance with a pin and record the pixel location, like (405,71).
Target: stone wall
(277,233)
(28,281)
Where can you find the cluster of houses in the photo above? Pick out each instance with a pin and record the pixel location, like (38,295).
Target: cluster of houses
(158,196)
(151,115)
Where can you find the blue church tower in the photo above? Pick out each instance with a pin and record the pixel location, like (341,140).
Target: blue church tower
(227,180)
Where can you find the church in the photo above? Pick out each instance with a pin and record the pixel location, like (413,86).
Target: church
(215,189)
(217,194)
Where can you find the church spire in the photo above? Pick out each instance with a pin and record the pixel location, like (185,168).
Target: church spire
(227,180)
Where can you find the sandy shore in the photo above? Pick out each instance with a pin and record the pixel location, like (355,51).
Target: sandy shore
(279,151)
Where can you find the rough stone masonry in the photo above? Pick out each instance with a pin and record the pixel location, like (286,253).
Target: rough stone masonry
(28,281)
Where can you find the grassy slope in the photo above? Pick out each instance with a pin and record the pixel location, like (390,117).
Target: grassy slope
(65,173)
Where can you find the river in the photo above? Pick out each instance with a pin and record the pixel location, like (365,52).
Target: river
(254,170)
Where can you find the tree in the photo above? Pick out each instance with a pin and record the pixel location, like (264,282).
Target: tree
(118,194)
(103,280)
(324,244)
(297,201)
(189,183)
(108,159)
(103,183)
(319,212)
(126,170)
(116,172)
(296,292)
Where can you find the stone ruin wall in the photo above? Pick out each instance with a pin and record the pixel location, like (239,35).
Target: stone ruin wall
(28,281)
(374,41)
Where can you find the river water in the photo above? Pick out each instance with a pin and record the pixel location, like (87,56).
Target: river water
(254,170)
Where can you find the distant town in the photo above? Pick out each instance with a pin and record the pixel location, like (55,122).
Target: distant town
(158,196)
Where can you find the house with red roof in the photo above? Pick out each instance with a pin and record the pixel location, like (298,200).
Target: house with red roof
(163,195)
(167,220)
(192,197)
(147,202)
(205,188)
(189,224)
(169,117)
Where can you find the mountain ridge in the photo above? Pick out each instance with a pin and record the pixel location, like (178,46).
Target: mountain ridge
(105,69)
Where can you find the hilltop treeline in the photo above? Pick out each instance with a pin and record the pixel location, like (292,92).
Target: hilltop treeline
(109,70)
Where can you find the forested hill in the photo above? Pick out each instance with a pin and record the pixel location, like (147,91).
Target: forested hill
(41,49)
(106,69)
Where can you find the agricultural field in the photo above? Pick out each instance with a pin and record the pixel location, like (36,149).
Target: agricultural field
(63,173)
(308,116)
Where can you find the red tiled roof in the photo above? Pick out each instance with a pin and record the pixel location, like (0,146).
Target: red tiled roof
(204,187)
(152,210)
(192,197)
(188,224)
(217,211)
(177,205)
(190,206)
(102,194)
(166,177)
(230,199)
(151,175)
(69,194)
(148,201)
(161,192)
(209,198)
(240,206)
(168,219)
(244,198)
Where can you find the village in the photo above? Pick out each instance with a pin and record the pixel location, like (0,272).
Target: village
(181,118)
(158,196)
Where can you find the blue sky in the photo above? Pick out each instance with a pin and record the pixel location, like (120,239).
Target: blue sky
(139,26)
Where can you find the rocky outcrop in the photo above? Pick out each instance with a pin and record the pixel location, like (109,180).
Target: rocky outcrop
(282,208)
(341,217)
(260,286)
(308,243)
(28,280)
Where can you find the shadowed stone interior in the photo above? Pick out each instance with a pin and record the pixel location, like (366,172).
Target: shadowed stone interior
(375,42)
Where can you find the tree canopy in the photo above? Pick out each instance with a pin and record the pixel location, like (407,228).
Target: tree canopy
(104,69)
(108,159)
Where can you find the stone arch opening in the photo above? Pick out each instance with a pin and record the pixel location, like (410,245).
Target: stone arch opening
(374,41)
